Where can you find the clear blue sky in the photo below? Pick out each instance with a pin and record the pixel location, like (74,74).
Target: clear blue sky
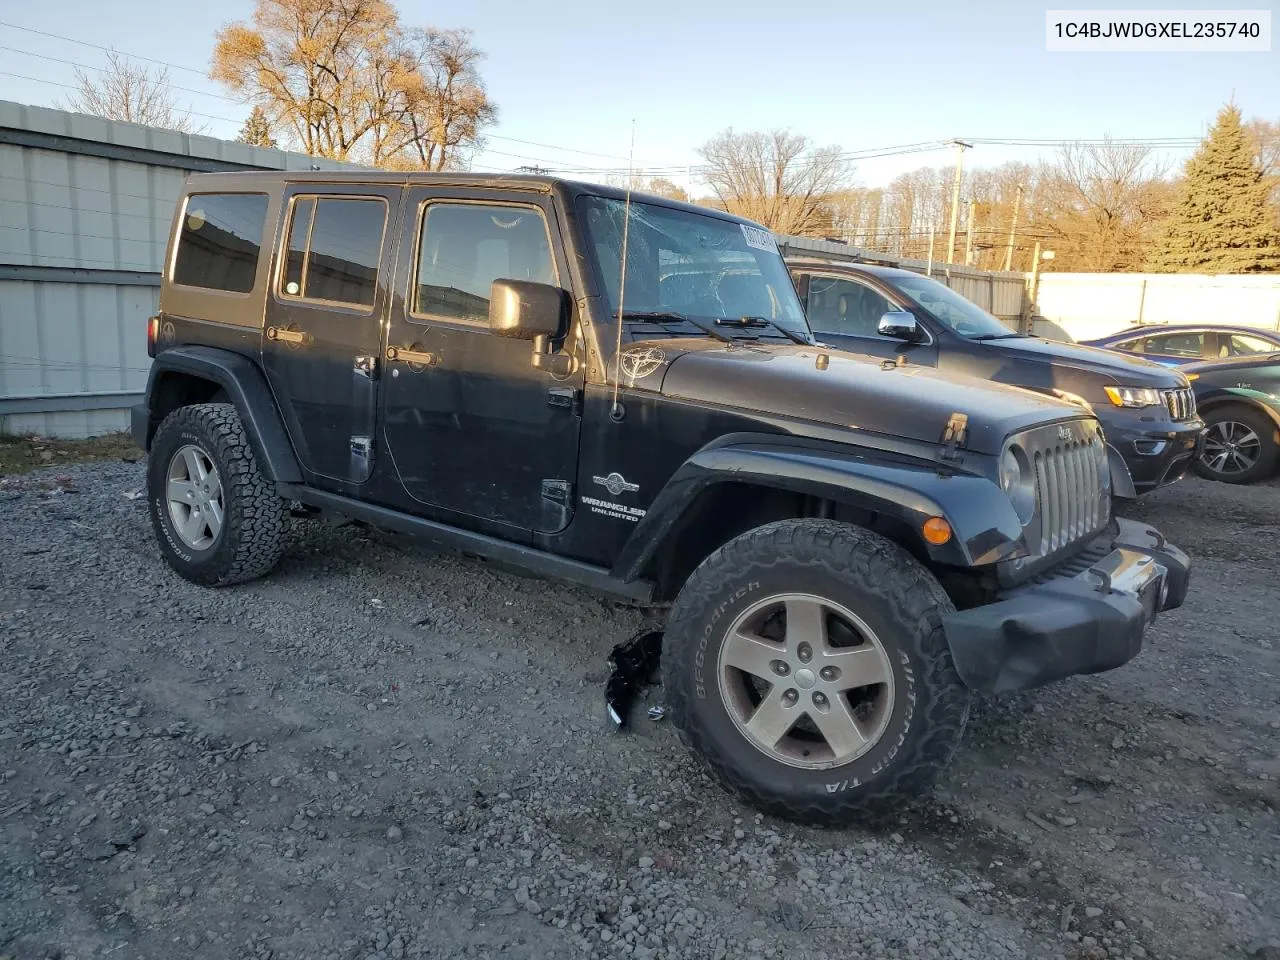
(575,74)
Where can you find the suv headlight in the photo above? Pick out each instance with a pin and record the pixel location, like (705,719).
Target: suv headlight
(1018,482)
(1134,396)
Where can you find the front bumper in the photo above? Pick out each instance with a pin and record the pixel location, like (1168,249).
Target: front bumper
(1153,451)
(1064,624)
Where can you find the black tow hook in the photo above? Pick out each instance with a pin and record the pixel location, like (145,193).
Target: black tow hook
(632,666)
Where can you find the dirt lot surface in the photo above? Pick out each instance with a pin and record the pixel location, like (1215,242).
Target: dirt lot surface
(379,752)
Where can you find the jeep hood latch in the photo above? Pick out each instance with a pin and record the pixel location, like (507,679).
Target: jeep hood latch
(954,436)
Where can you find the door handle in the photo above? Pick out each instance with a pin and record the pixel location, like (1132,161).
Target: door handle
(405,355)
(282,335)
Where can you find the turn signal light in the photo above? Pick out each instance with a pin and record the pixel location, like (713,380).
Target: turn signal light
(153,335)
(936,530)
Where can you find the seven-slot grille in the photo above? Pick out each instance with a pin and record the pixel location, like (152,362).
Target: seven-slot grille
(1181,404)
(1073,495)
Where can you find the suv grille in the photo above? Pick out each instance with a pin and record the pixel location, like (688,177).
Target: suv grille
(1181,404)
(1073,484)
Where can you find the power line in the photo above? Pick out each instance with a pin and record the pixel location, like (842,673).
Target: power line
(71,86)
(219,96)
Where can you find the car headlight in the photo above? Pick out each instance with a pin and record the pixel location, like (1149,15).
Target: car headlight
(1018,482)
(1134,396)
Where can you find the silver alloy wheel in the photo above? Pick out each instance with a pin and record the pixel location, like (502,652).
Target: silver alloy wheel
(806,681)
(1230,447)
(194,492)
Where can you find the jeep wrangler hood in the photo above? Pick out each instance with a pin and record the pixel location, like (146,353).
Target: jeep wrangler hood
(1109,366)
(854,391)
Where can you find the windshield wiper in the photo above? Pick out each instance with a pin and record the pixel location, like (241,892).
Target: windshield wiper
(766,322)
(995,336)
(670,316)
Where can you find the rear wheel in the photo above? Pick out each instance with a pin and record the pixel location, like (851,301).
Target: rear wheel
(217,518)
(1239,445)
(805,663)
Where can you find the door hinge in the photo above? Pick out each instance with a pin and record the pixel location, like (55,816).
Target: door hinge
(557,491)
(564,398)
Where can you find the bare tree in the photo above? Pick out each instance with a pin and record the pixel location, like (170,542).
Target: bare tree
(1101,204)
(348,82)
(125,91)
(309,64)
(775,178)
(442,107)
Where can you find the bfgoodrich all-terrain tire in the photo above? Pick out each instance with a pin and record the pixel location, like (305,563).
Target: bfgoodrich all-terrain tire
(217,518)
(805,662)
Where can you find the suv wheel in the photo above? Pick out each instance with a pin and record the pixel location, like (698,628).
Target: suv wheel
(805,663)
(1239,445)
(217,519)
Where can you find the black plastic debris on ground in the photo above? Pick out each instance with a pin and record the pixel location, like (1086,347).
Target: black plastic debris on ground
(632,667)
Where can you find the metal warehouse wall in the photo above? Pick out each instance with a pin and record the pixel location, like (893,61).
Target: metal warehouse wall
(1089,305)
(85,208)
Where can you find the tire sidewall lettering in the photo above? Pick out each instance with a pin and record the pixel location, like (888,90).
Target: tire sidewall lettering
(710,630)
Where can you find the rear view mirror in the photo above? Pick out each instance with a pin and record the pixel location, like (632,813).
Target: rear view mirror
(524,310)
(901,325)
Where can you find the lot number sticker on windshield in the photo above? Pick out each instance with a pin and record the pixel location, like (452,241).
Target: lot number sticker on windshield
(760,239)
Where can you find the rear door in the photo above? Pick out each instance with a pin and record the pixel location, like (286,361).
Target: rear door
(328,299)
(472,428)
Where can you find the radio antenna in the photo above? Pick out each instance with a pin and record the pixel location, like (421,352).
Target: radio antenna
(615,411)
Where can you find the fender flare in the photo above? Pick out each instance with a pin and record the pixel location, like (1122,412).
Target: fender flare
(1121,479)
(1249,398)
(247,388)
(986,527)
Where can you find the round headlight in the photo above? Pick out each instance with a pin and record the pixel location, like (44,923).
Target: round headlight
(1018,482)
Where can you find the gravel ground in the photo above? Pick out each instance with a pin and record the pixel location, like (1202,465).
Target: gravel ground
(379,752)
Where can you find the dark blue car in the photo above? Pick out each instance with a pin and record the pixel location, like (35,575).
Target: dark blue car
(1178,344)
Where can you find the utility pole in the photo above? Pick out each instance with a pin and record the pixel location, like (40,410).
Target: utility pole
(955,197)
(929,269)
(1013,229)
(1027,322)
(968,237)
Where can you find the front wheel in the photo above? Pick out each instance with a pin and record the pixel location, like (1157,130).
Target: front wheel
(1239,445)
(805,662)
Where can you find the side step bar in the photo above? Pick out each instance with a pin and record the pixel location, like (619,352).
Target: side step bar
(528,559)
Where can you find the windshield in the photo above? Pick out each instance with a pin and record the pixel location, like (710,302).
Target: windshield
(963,316)
(680,262)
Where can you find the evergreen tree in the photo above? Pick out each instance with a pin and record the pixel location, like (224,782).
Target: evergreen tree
(1222,222)
(257,130)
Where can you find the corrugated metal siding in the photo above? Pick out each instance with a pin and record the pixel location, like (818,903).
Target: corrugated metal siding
(83,343)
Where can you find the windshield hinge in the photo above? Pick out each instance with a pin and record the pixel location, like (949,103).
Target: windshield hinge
(954,436)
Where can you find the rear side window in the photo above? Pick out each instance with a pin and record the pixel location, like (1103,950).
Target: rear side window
(464,247)
(1176,345)
(220,241)
(334,245)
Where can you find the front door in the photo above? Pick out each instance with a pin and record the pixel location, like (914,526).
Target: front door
(472,428)
(328,298)
(845,313)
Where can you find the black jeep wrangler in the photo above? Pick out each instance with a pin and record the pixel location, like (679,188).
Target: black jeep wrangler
(623,392)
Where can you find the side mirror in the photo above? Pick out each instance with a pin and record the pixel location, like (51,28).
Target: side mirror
(901,325)
(524,310)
